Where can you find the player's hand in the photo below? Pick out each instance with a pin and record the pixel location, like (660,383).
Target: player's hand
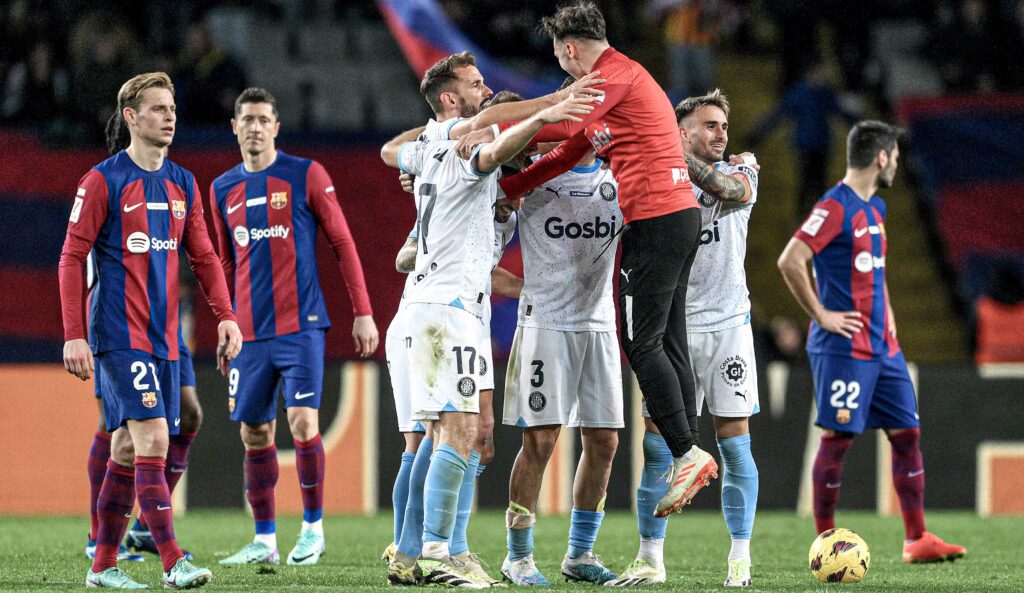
(364,331)
(568,109)
(78,359)
(467,142)
(844,323)
(229,344)
(582,87)
(744,158)
(407,180)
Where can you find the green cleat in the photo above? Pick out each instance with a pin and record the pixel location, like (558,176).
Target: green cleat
(112,578)
(307,550)
(254,553)
(404,572)
(184,575)
(449,572)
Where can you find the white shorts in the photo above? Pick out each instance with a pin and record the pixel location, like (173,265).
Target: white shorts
(724,372)
(563,378)
(397,356)
(444,370)
(484,360)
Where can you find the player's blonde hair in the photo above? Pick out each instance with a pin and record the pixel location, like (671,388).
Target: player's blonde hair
(690,105)
(130,95)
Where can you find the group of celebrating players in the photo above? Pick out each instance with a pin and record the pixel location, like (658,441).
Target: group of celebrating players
(603,161)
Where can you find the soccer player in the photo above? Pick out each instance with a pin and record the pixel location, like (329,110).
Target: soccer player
(564,369)
(633,126)
(135,209)
(455,209)
(266,212)
(860,376)
(720,340)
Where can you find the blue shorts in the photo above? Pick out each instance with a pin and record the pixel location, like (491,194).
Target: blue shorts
(188,373)
(854,395)
(136,385)
(293,361)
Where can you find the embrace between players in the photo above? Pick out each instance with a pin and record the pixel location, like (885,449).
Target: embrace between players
(619,166)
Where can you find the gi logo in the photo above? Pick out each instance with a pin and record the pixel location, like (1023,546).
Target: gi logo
(278,200)
(843,416)
(231,404)
(138,242)
(734,371)
(178,209)
(482,362)
(467,387)
(607,191)
(149,399)
(241,236)
(537,401)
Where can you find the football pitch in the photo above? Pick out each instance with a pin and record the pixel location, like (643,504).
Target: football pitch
(46,553)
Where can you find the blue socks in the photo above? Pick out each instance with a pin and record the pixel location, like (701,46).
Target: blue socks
(459,543)
(739,485)
(441,494)
(411,540)
(653,486)
(520,543)
(583,531)
(400,493)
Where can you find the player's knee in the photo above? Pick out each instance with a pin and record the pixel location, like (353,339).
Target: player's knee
(539,444)
(257,436)
(602,444)
(122,451)
(641,353)
(191,418)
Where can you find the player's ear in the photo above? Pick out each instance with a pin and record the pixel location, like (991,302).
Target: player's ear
(128,114)
(882,159)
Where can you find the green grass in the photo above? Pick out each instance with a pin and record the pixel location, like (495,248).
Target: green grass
(46,553)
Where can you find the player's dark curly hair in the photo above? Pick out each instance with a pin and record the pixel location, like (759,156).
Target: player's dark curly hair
(130,95)
(441,78)
(255,94)
(580,20)
(867,138)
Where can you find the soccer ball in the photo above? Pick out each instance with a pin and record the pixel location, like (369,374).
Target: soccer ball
(839,556)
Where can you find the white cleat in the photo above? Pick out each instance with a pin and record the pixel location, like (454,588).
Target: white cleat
(523,572)
(640,572)
(739,573)
(686,479)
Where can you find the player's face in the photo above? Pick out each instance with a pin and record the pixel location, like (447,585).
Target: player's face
(154,121)
(565,52)
(470,91)
(256,127)
(706,133)
(888,173)
(504,208)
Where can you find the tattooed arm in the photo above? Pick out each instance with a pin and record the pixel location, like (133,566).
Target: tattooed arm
(731,188)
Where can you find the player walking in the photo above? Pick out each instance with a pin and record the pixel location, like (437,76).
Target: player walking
(135,209)
(266,212)
(720,340)
(860,376)
(633,126)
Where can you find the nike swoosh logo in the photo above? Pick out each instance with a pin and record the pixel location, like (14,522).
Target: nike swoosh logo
(860,232)
(160,508)
(128,208)
(306,557)
(304,395)
(313,485)
(177,421)
(915,474)
(235,207)
(833,484)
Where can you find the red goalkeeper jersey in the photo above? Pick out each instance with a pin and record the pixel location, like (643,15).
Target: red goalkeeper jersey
(634,127)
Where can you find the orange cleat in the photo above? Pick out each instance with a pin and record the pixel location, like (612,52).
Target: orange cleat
(931,548)
(686,478)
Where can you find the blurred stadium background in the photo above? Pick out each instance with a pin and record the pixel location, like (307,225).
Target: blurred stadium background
(346,77)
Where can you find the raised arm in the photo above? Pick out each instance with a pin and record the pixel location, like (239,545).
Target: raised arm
(549,166)
(513,140)
(389,153)
(731,188)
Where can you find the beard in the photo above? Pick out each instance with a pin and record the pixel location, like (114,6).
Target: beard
(467,110)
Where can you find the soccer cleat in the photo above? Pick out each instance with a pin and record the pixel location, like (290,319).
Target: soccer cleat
(123,555)
(449,572)
(254,553)
(111,578)
(587,569)
(404,572)
(686,479)
(739,573)
(184,575)
(523,572)
(308,549)
(640,572)
(930,548)
(141,540)
(475,566)
(389,553)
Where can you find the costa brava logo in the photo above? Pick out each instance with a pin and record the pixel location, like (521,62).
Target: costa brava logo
(140,242)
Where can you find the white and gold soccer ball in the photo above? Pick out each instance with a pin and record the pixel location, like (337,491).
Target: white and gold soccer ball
(839,556)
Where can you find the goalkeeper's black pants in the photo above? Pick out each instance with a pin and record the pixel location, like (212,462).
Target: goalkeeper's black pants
(656,257)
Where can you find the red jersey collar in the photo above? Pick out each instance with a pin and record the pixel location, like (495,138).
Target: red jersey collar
(606,56)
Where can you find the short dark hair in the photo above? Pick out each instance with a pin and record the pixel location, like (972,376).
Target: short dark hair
(581,20)
(866,139)
(441,77)
(255,94)
(688,106)
(502,97)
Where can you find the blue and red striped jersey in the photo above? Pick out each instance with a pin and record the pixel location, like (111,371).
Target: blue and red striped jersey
(847,236)
(135,221)
(266,224)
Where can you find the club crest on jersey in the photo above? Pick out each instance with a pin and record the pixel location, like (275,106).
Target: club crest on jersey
(149,399)
(607,191)
(178,209)
(537,401)
(734,371)
(278,200)
(707,200)
(231,404)
(467,387)
(843,416)
(482,363)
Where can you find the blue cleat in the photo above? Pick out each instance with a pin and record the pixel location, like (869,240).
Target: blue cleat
(586,568)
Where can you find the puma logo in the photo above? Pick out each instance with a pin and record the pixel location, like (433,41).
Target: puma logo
(626,273)
(743,395)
